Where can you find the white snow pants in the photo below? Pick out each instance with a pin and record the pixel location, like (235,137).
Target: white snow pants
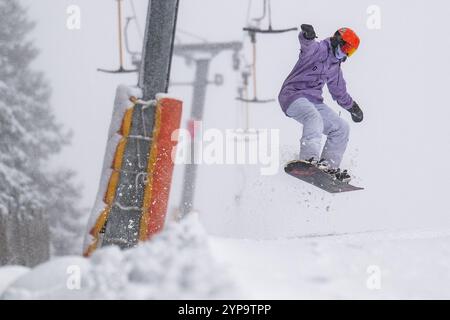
(318,119)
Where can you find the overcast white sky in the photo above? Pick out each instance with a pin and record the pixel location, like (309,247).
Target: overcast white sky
(399,77)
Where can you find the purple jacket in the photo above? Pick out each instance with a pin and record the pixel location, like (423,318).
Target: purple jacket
(316,67)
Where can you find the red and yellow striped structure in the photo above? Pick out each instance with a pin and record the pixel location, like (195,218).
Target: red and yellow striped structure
(160,165)
(160,168)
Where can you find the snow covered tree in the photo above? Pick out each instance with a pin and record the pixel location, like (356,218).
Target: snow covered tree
(29,136)
(67,220)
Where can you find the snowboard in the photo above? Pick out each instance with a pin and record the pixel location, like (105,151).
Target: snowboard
(313,175)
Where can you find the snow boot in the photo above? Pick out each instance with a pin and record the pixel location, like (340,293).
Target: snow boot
(321,164)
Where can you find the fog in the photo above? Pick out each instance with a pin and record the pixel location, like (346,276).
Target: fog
(398,77)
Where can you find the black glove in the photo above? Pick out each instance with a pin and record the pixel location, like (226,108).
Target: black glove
(356,112)
(308,31)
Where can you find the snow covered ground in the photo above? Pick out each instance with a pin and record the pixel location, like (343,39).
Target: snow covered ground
(176,264)
(9,274)
(185,264)
(373,265)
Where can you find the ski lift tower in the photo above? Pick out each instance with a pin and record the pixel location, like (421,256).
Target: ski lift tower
(196,52)
(158,47)
(121,228)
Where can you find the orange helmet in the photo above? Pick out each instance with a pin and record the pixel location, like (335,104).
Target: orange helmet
(347,39)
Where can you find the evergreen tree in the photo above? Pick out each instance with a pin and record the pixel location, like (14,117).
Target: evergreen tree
(29,136)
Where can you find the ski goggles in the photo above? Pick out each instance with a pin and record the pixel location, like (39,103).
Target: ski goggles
(348,49)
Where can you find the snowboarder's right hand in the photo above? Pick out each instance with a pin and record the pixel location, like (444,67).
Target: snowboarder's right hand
(356,112)
(308,31)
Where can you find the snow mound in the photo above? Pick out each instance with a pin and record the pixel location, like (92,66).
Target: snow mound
(48,281)
(176,264)
(9,274)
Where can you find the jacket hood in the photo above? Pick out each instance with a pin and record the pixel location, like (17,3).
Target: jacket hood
(330,51)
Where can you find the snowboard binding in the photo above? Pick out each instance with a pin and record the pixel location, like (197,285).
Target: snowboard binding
(336,174)
(318,174)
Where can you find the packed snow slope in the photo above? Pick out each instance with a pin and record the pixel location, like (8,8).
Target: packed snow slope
(374,265)
(184,264)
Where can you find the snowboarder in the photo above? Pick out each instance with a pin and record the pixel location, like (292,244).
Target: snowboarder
(301,98)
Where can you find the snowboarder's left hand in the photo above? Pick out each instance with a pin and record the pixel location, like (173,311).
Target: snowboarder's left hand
(308,31)
(356,112)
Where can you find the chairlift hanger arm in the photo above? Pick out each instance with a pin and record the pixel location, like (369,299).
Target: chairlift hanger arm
(267,12)
(127,41)
(264,14)
(255,100)
(270,30)
(121,68)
